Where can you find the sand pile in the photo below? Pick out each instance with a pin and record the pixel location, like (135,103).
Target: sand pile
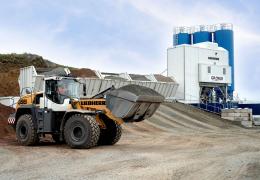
(5,129)
(84,72)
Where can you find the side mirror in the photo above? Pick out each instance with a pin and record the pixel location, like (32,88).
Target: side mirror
(28,91)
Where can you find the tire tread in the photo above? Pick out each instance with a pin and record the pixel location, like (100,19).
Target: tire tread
(95,132)
(33,137)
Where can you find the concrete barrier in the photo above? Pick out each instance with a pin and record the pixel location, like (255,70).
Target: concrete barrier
(242,115)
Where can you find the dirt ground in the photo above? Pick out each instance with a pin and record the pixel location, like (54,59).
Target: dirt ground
(178,142)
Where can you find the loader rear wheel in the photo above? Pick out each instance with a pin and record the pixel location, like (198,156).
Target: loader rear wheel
(26,134)
(81,131)
(111,134)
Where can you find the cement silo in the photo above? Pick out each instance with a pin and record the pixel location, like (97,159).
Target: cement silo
(224,36)
(181,35)
(201,34)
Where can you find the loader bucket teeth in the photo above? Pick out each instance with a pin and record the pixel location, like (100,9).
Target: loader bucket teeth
(133,103)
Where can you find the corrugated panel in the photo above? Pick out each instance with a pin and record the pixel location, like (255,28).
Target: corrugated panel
(171,89)
(168,90)
(94,86)
(164,89)
(27,79)
(105,84)
(152,85)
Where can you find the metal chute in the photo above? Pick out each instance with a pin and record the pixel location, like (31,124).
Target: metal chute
(133,103)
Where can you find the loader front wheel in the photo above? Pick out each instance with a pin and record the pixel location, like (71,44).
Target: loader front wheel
(111,134)
(81,131)
(26,134)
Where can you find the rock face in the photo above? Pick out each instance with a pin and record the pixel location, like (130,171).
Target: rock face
(10,65)
(9,70)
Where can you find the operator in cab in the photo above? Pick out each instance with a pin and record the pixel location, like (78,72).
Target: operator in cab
(61,93)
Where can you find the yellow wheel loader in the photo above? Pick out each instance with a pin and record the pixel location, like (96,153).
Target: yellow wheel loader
(81,123)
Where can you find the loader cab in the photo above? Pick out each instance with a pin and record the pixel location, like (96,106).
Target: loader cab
(58,89)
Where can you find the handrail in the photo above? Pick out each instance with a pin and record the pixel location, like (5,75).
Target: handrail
(210,107)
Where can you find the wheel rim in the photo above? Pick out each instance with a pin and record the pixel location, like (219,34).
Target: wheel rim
(77,132)
(23,131)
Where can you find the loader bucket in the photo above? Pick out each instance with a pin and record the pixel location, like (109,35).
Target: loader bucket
(133,103)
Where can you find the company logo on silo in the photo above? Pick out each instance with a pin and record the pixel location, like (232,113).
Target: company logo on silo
(217,78)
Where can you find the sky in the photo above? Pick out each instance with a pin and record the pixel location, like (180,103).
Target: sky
(127,35)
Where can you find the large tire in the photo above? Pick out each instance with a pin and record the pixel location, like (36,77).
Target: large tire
(26,134)
(81,131)
(111,134)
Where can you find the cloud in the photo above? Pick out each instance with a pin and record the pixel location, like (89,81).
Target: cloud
(247,38)
(107,59)
(125,35)
(69,33)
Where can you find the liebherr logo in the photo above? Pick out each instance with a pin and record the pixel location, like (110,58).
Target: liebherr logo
(93,103)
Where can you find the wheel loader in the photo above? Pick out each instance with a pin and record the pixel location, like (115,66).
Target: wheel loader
(80,122)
